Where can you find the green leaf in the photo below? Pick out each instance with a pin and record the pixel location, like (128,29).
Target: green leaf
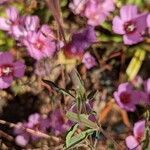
(70,134)
(91,95)
(135,2)
(55,87)
(81,118)
(135,64)
(77,81)
(108,38)
(106,26)
(146,142)
(79,138)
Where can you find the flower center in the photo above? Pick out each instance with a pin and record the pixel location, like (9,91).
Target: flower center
(129,27)
(6,70)
(125,97)
(139,137)
(39,45)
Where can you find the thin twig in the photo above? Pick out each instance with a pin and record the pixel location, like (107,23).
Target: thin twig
(5,135)
(33,132)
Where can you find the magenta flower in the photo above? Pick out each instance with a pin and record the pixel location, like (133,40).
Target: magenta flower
(127,98)
(59,124)
(130,24)
(133,141)
(80,41)
(39,46)
(9,69)
(36,123)
(11,23)
(88,60)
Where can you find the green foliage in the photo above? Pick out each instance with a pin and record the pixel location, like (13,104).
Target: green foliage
(76,139)
(55,87)
(70,134)
(135,64)
(5,42)
(81,118)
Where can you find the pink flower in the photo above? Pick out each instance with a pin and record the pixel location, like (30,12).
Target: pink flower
(130,24)
(95,11)
(39,45)
(88,60)
(127,98)
(147,90)
(148,20)
(78,6)
(9,69)
(58,122)
(133,141)
(11,23)
(29,24)
(5,1)
(46,31)
(36,123)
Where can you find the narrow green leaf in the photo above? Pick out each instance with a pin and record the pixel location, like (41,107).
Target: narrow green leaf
(70,134)
(91,95)
(79,138)
(55,87)
(77,81)
(81,118)
(135,64)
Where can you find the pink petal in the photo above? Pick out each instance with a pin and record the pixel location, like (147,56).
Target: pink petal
(46,31)
(128,12)
(31,23)
(22,140)
(5,82)
(35,53)
(17,31)
(148,21)
(147,85)
(50,48)
(140,97)
(108,5)
(130,39)
(4,25)
(33,120)
(118,25)
(97,19)
(141,23)
(78,6)
(6,58)
(139,128)
(125,87)
(12,13)
(19,69)
(88,60)
(132,143)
